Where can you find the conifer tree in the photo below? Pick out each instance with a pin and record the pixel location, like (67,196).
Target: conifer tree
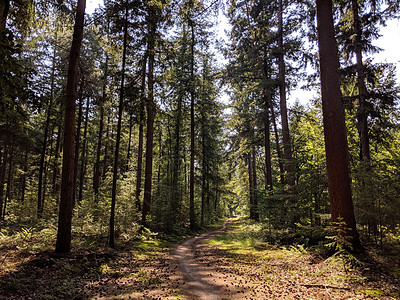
(66,201)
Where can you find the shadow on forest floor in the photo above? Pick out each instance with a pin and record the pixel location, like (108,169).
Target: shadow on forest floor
(147,270)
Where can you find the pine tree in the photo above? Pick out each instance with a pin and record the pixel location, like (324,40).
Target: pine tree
(337,156)
(66,202)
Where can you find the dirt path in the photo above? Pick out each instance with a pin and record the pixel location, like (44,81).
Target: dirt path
(197,270)
(207,274)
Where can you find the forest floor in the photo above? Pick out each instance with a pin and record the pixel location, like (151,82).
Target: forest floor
(227,263)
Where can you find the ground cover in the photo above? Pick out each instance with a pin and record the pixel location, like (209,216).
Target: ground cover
(234,263)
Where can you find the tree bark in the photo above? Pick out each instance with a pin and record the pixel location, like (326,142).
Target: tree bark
(23,179)
(152,24)
(63,243)
(3,160)
(362,113)
(9,180)
(192,125)
(267,145)
(287,150)
(128,154)
(337,155)
(40,200)
(56,171)
(84,150)
(96,173)
(251,185)
(254,175)
(140,138)
(277,146)
(78,139)
(111,241)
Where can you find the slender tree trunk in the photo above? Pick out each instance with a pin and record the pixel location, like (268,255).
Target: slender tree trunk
(106,145)
(288,163)
(251,185)
(23,179)
(254,175)
(140,138)
(278,148)
(96,173)
(337,155)
(84,150)
(362,113)
(176,189)
(67,184)
(362,119)
(118,138)
(192,125)
(128,154)
(40,200)
(3,160)
(9,181)
(151,109)
(267,145)
(203,175)
(56,184)
(78,139)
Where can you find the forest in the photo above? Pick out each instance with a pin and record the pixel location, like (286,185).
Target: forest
(125,131)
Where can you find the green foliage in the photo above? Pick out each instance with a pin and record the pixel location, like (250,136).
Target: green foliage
(340,240)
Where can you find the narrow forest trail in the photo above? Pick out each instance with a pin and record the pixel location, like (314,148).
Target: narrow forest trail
(198,268)
(208,273)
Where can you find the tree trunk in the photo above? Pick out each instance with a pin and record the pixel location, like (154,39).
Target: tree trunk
(152,24)
(78,138)
(111,240)
(287,151)
(176,195)
(40,200)
(267,145)
(9,180)
(3,160)
(278,148)
(96,173)
(362,113)
(251,185)
(204,174)
(254,175)
(84,150)
(128,154)
(337,155)
(23,179)
(106,145)
(56,183)
(140,138)
(63,243)
(192,125)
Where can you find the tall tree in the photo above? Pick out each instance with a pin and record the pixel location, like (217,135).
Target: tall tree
(111,240)
(152,20)
(287,149)
(337,155)
(140,138)
(63,243)
(192,121)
